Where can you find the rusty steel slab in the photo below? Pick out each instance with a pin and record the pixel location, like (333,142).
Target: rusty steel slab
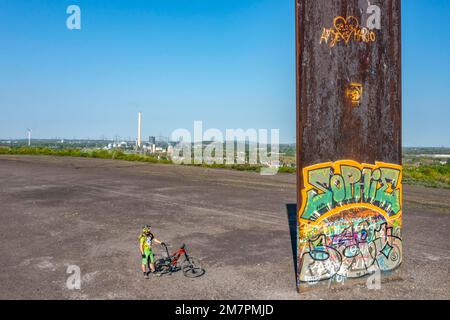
(348,139)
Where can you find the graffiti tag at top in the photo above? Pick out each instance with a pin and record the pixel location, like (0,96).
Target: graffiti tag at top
(346,29)
(333,185)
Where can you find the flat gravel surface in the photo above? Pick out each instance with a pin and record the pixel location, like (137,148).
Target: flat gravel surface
(57,212)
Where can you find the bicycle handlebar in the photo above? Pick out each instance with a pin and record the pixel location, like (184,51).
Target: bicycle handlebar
(166,245)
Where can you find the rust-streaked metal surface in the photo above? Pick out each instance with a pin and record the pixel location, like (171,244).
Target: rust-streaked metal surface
(329,127)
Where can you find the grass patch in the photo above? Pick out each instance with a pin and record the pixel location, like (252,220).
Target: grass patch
(437,176)
(100,154)
(120,155)
(239,167)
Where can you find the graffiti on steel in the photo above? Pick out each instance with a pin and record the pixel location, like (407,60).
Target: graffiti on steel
(350,220)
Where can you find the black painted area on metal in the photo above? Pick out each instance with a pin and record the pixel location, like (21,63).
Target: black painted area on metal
(329,127)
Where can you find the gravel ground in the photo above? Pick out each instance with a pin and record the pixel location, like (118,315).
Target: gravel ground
(57,212)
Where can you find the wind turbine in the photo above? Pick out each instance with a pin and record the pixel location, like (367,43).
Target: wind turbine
(29,136)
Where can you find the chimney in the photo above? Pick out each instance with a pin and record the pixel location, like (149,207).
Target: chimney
(139,141)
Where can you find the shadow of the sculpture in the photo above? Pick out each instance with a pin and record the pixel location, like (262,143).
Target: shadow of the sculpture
(291,210)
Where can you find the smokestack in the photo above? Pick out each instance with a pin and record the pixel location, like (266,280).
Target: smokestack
(139,141)
(29,137)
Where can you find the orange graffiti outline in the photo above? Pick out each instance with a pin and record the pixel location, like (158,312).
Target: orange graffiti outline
(350,92)
(348,27)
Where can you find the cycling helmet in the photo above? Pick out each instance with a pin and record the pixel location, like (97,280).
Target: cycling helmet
(146,229)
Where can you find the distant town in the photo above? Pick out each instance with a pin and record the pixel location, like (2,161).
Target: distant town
(163,148)
(159,147)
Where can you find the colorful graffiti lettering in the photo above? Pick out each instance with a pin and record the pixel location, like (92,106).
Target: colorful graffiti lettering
(346,29)
(331,185)
(350,221)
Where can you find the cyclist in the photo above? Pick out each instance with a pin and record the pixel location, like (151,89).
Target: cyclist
(146,240)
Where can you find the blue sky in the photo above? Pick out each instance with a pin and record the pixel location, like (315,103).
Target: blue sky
(229,63)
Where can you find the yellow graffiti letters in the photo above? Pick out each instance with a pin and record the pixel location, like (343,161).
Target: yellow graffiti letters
(346,29)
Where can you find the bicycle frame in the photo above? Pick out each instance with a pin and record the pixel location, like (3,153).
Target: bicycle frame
(176,256)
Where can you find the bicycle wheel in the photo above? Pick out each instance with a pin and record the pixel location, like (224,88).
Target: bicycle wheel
(162,265)
(191,268)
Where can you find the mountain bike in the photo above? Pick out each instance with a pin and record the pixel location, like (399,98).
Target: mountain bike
(180,260)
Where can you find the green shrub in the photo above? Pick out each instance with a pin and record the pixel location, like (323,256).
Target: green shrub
(428,175)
